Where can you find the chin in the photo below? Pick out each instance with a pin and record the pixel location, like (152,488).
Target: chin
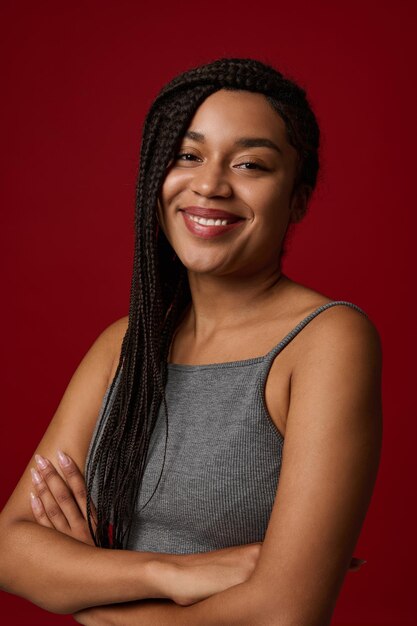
(199,262)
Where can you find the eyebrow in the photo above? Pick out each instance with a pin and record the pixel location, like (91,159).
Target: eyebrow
(245,142)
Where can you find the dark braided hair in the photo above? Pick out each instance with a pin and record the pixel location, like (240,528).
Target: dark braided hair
(159,290)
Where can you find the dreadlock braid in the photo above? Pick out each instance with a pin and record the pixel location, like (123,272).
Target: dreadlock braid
(159,288)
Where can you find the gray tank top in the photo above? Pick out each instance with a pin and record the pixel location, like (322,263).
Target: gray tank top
(223,457)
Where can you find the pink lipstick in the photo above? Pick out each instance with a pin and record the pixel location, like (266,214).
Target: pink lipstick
(214,218)
(211,213)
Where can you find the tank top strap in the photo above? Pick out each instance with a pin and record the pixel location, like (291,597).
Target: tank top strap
(294,332)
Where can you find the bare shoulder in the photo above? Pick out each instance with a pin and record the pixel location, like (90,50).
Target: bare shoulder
(338,370)
(335,328)
(341,332)
(115,332)
(100,362)
(110,341)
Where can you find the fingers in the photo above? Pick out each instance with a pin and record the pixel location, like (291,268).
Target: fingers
(76,482)
(39,511)
(55,496)
(48,505)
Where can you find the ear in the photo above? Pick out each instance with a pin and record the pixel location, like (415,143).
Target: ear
(299,203)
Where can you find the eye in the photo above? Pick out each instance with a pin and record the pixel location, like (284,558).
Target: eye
(189,156)
(185,154)
(253,165)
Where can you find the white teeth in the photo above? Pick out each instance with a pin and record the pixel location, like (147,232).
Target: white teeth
(208,222)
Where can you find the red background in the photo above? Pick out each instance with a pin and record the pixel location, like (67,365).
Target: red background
(78,78)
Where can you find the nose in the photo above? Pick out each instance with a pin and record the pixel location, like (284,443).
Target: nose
(210,180)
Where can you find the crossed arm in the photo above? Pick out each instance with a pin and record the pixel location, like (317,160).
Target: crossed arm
(60,503)
(330,461)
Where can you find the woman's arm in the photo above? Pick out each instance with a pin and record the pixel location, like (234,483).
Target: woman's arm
(43,565)
(49,564)
(330,463)
(71,520)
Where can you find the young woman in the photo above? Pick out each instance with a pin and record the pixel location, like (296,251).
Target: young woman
(240,412)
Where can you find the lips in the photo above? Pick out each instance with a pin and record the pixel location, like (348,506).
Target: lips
(211,213)
(210,231)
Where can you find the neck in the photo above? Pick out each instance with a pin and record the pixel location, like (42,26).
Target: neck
(222,303)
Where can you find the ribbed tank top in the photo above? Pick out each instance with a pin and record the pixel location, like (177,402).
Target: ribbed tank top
(223,457)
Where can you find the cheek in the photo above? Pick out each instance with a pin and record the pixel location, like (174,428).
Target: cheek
(169,196)
(269,202)
(173,184)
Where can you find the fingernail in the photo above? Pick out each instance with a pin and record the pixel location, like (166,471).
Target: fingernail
(36,477)
(64,461)
(41,462)
(35,502)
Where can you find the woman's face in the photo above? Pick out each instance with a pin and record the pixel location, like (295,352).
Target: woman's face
(234,157)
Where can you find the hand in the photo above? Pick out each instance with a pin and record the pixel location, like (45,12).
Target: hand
(61,505)
(190,578)
(58,503)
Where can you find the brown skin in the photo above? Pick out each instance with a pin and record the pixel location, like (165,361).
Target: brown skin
(69,517)
(324,388)
(218,175)
(74,573)
(323,391)
(234,278)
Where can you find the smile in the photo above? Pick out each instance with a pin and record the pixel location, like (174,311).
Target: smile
(209,228)
(209,222)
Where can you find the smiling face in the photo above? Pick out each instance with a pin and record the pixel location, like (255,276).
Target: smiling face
(234,157)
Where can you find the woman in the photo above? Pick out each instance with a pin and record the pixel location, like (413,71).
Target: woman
(192,505)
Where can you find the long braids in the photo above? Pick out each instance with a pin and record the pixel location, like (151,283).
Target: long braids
(159,288)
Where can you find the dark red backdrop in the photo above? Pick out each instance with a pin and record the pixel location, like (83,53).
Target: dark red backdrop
(78,78)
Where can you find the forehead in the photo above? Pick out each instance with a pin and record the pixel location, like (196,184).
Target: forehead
(227,114)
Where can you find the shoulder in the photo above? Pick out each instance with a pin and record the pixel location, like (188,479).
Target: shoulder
(106,349)
(112,336)
(339,331)
(333,324)
(336,337)
(338,367)
(335,329)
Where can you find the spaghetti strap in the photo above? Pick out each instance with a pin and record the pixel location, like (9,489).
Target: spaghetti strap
(294,332)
